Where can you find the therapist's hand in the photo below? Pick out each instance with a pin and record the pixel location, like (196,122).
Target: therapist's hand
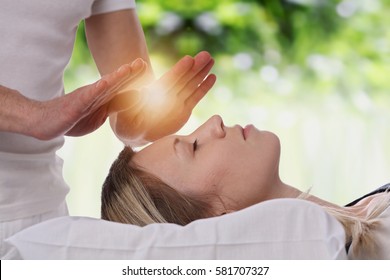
(164,106)
(75,114)
(93,103)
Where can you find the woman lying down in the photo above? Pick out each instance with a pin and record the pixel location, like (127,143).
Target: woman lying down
(217,170)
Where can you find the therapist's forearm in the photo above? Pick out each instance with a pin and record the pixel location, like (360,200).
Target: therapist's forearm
(116,38)
(16,111)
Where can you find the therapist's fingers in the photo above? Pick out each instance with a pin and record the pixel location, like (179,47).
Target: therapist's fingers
(170,78)
(185,90)
(126,75)
(201,62)
(200,92)
(131,74)
(91,93)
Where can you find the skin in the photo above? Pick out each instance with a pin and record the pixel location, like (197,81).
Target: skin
(237,167)
(223,157)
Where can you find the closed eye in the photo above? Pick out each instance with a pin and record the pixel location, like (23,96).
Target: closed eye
(195,145)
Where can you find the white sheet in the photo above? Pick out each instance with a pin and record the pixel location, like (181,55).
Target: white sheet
(276,229)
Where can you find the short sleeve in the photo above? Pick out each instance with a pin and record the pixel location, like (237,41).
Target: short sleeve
(105,6)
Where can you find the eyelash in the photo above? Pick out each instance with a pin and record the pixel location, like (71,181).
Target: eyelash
(195,145)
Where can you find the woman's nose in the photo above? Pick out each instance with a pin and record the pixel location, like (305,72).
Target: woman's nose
(213,128)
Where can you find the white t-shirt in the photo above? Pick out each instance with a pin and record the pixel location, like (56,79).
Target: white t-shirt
(37,38)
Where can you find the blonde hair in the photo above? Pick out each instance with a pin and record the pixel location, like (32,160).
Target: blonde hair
(359,229)
(131,195)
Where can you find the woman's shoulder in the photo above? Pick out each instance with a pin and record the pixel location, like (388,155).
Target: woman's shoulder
(382,189)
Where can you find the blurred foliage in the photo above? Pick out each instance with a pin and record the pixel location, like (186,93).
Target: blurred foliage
(315,45)
(234,26)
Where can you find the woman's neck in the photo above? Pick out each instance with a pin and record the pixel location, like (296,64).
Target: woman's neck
(283,190)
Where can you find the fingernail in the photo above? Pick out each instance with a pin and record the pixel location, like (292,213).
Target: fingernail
(137,64)
(121,69)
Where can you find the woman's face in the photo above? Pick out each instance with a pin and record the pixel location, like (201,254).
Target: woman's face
(238,166)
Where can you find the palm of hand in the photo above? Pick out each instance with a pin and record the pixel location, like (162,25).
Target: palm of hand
(156,114)
(166,105)
(87,108)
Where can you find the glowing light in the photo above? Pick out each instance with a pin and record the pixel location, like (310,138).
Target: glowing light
(154,99)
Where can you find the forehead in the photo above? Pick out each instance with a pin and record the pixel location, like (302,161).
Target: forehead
(159,151)
(161,160)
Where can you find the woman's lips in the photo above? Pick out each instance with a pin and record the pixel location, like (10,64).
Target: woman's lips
(247,131)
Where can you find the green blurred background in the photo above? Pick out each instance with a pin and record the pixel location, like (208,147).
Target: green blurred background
(315,72)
